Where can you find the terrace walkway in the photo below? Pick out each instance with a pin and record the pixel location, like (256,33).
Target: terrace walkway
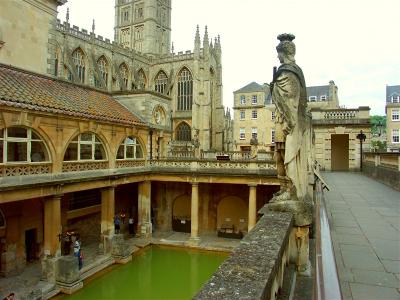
(365,224)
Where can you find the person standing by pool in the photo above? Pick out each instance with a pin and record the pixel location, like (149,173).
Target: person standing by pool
(117,224)
(77,251)
(131,225)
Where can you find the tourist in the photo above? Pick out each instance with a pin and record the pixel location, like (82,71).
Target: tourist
(117,224)
(10,296)
(131,225)
(77,252)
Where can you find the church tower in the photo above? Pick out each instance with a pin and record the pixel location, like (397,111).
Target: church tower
(144,25)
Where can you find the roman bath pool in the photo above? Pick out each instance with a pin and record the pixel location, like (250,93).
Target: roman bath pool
(154,273)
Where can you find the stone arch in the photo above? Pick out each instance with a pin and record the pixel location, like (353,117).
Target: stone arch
(183,132)
(81,63)
(232,211)
(181,69)
(139,141)
(98,135)
(181,213)
(39,134)
(104,67)
(141,79)
(124,74)
(184,101)
(161,82)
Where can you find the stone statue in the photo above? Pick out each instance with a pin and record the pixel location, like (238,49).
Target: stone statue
(292,133)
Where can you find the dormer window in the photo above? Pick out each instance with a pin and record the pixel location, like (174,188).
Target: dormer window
(395,99)
(312,98)
(322,97)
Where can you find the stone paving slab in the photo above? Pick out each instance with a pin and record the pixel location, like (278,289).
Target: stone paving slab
(365,224)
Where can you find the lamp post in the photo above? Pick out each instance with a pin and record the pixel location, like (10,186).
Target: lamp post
(361,136)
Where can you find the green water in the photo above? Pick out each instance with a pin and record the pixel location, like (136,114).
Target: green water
(155,273)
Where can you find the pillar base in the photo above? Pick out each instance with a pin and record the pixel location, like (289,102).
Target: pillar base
(70,288)
(194,241)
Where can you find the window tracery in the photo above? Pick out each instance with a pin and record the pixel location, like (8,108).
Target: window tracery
(185,90)
(79,61)
(161,83)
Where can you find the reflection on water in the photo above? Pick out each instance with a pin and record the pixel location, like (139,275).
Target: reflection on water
(155,273)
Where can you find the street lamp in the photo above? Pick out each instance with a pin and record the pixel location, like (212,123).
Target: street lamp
(361,136)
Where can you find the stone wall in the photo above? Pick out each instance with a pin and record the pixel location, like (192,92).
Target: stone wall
(384,167)
(255,269)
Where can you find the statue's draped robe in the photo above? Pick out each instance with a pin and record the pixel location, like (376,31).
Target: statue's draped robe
(290,97)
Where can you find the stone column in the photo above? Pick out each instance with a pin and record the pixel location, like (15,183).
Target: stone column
(144,208)
(252,206)
(107,218)
(194,232)
(52,225)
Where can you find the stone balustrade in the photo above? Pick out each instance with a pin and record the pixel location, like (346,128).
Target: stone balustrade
(23,169)
(383,166)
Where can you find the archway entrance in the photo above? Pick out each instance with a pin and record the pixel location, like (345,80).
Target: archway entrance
(232,215)
(181,214)
(339,152)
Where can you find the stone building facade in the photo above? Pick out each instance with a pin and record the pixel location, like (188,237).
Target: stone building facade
(86,129)
(392,109)
(335,128)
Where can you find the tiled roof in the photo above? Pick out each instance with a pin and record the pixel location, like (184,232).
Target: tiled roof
(318,91)
(23,89)
(392,90)
(252,87)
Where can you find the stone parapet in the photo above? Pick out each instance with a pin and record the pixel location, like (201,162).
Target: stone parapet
(384,167)
(255,270)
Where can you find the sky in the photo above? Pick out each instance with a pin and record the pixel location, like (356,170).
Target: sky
(355,43)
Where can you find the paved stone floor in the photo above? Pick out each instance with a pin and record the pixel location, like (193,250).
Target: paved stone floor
(365,219)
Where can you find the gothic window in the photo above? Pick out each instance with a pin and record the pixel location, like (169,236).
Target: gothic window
(56,61)
(18,144)
(68,73)
(130,149)
(103,68)
(125,37)
(85,146)
(161,83)
(79,61)
(139,12)
(185,90)
(141,80)
(139,38)
(183,132)
(125,15)
(123,71)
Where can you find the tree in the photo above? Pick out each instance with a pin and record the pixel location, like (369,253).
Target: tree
(378,125)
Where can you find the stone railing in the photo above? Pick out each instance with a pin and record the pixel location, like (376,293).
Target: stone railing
(130,163)
(383,166)
(75,166)
(341,114)
(256,268)
(25,169)
(238,155)
(326,280)
(199,165)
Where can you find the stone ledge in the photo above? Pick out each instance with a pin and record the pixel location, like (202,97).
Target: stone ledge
(251,270)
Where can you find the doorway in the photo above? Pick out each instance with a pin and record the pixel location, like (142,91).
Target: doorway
(339,152)
(30,244)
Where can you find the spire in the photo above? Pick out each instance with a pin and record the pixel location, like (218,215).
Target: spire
(197,43)
(93,26)
(205,39)
(67,17)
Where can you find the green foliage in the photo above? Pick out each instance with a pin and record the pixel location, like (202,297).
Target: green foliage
(378,146)
(375,122)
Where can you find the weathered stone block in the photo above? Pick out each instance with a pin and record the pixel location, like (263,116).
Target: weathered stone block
(67,269)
